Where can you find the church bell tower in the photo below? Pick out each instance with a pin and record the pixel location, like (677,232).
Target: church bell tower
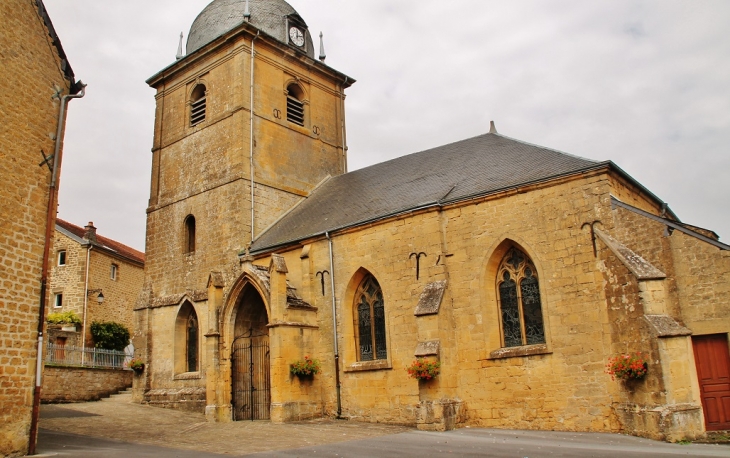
(247,123)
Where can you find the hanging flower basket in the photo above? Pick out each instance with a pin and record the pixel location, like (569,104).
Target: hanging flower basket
(422,369)
(304,368)
(137,365)
(627,367)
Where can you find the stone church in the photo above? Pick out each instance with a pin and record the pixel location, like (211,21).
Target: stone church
(521,269)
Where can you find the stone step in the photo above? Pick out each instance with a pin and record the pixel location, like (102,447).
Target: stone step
(120,396)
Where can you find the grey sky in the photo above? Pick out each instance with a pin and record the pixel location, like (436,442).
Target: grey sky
(642,83)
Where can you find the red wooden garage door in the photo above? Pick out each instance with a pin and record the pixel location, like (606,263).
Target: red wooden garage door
(713,370)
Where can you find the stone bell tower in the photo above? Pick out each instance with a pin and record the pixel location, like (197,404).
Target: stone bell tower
(247,123)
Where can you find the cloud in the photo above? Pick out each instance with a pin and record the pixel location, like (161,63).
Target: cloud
(643,83)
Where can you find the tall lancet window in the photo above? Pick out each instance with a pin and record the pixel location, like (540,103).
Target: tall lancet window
(519,300)
(192,343)
(370,317)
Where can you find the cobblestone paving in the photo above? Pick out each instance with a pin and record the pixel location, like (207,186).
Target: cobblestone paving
(118,418)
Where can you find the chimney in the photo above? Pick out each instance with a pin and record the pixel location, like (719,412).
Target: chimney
(90,233)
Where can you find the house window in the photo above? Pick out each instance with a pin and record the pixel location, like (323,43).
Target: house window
(114,270)
(520,309)
(58,300)
(62,258)
(370,320)
(295,105)
(189,235)
(197,105)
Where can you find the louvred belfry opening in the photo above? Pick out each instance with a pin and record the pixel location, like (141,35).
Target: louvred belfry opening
(197,105)
(294,105)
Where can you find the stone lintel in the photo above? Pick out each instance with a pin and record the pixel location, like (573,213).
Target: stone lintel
(666,326)
(431,297)
(640,267)
(428,348)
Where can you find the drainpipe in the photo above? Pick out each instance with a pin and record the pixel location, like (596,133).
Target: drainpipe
(334,329)
(342,122)
(50,226)
(250,149)
(86,302)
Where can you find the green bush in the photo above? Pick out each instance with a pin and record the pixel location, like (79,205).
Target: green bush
(109,335)
(63,318)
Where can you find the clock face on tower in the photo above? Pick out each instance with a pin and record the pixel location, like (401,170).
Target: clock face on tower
(297,36)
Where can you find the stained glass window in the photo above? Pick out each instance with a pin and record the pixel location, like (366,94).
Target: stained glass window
(519,301)
(370,320)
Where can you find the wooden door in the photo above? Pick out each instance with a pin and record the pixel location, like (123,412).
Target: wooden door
(713,371)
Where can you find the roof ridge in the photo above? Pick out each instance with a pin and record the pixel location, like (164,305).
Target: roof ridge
(105,242)
(548,148)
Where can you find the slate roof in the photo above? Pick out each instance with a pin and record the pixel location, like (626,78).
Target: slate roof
(77,233)
(465,169)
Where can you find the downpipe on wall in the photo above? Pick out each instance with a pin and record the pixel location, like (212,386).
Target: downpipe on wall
(50,223)
(334,329)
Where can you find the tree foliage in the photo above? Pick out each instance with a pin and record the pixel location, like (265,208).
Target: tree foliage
(109,335)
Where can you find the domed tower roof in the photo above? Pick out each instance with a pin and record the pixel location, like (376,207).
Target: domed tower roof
(220,16)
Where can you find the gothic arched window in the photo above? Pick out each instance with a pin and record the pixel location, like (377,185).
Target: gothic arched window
(518,293)
(187,339)
(370,320)
(295,104)
(197,105)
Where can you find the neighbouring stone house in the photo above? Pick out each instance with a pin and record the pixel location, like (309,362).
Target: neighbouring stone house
(519,268)
(97,278)
(37,84)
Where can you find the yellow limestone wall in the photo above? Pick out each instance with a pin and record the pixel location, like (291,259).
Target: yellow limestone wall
(120,294)
(204,171)
(31,76)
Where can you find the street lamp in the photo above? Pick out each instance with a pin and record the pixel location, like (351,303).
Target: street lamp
(99,297)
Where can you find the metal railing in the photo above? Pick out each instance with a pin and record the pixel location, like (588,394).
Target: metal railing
(67,355)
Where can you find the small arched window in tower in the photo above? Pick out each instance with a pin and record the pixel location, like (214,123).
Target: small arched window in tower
(295,105)
(370,320)
(519,300)
(192,343)
(197,105)
(189,234)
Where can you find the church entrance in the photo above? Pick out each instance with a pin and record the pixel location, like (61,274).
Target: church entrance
(250,379)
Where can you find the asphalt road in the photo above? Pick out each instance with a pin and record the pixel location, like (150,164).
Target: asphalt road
(466,442)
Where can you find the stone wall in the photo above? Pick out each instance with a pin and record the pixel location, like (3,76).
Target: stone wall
(204,171)
(120,293)
(68,279)
(31,77)
(76,384)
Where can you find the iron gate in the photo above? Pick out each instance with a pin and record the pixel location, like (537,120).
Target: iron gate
(251,394)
